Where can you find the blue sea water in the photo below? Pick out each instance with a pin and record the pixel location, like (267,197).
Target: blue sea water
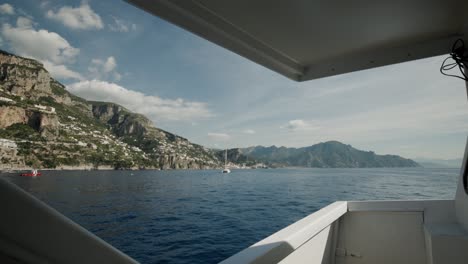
(206,216)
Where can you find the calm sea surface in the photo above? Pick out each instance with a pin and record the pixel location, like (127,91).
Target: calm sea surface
(207,216)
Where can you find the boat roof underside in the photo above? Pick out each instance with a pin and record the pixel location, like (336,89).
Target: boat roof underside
(309,39)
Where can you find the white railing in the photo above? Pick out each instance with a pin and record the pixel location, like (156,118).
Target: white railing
(276,247)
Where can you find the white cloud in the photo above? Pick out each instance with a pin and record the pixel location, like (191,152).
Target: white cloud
(82,17)
(24,22)
(44,4)
(120,25)
(48,47)
(300,125)
(110,64)
(295,124)
(154,107)
(41,44)
(61,71)
(219,136)
(104,69)
(7,9)
(248,131)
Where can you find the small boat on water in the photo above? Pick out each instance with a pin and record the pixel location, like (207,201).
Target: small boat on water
(226,169)
(32,173)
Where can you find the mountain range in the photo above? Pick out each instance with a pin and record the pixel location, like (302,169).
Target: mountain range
(331,154)
(440,163)
(42,125)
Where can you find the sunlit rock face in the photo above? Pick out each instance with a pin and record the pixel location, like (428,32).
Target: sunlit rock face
(23,77)
(10,115)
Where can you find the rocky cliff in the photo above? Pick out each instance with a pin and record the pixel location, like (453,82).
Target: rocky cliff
(23,77)
(53,128)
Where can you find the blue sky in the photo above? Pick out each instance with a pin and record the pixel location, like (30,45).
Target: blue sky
(112,51)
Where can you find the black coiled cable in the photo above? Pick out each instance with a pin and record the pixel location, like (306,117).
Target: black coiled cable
(459,56)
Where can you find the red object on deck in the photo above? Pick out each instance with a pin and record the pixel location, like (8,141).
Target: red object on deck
(30,174)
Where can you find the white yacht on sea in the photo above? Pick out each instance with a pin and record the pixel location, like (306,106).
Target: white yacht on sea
(302,40)
(226,169)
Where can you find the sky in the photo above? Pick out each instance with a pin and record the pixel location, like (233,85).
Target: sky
(112,51)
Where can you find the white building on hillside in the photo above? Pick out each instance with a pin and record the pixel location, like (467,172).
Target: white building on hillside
(7,144)
(4,99)
(46,109)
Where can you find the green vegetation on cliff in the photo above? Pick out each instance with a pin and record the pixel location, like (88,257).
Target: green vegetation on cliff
(54,128)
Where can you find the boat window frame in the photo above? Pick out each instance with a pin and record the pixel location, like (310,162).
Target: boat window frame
(465,178)
(465,159)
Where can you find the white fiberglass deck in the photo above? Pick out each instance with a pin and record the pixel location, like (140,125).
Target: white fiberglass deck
(369,232)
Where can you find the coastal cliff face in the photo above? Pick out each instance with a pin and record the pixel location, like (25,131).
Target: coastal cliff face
(53,128)
(169,151)
(122,121)
(10,115)
(44,123)
(23,77)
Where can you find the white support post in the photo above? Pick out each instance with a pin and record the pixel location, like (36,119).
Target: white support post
(466,82)
(461,197)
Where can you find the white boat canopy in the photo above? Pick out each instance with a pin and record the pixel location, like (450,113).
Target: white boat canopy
(309,39)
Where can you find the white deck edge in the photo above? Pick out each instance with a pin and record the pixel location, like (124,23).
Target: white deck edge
(285,241)
(282,243)
(396,205)
(434,211)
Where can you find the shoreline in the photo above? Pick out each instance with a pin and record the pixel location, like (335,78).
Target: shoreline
(109,168)
(89,168)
